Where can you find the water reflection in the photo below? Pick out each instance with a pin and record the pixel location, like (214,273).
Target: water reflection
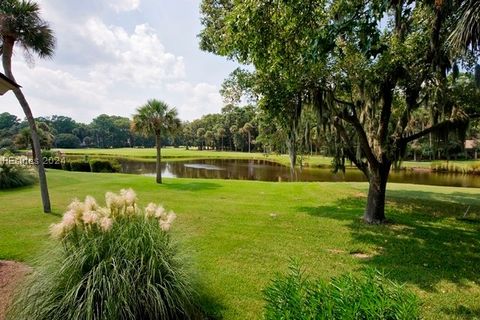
(264,170)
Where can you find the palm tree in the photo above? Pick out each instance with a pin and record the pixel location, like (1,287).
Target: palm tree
(156,118)
(20,23)
(233,132)
(220,134)
(209,139)
(201,137)
(467,29)
(24,138)
(247,128)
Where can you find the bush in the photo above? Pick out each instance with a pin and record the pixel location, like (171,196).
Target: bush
(370,296)
(67,140)
(116,262)
(52,159)
(15,176)
(7,143)
(80,165)
(97,165)
(66,166)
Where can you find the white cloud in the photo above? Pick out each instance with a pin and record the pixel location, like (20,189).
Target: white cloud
(101,68)
(53,91)
(139,57)
(197,99)
(124,5)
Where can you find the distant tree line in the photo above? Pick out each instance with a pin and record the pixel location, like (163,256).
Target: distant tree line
(235,128)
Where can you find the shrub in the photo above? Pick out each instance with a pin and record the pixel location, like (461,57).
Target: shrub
(97,165)
(370,296)
(67,140)
(66,166)
(80,165)
(116,262)
(52,159)
(15,176)
(7,144)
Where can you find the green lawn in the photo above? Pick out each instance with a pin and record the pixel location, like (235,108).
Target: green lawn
(236,246)
(172,154)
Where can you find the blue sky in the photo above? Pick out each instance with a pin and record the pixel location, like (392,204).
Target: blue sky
(114,55)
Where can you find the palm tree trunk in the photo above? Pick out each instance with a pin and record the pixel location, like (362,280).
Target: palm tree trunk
(7,66)
(158,144)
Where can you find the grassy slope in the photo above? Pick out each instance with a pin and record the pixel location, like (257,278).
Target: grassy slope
(227,229)
(182,154)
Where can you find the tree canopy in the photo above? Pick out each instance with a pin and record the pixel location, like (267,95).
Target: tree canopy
(367,68)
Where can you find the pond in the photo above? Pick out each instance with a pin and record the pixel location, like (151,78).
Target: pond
(264,170)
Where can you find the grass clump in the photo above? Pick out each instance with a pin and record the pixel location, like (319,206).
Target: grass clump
(116,262)
(348,297)
(14,177)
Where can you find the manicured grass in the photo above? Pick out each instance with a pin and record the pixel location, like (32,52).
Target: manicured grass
(239,233)
(172,154)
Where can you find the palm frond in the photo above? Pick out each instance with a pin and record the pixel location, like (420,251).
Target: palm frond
(156,117)
(21,21)
(466,33)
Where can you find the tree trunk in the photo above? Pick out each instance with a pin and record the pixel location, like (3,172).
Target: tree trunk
(292,150)
(158,144)
(375,210)
(249,141)
(8,44)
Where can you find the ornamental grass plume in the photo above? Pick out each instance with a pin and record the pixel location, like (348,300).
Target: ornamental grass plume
(115,262)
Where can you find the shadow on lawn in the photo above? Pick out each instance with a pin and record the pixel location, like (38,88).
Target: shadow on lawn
(425,243)
(463,312)
(192,186)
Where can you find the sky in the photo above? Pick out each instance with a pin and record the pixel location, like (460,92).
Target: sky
(113,55)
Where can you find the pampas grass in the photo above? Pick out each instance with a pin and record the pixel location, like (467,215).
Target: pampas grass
(113,263)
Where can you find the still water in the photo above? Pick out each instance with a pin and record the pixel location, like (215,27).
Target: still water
(269,171)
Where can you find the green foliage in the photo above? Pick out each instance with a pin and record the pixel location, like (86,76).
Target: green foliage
(8,120)
(369,296)
(80,165)
(466,34)
(14,177)
(99,165)
(66,166)
(7,144)
(52,159)
(111,131)
(156,118)
(113,263)
(21,20)
(426,247)
(67,140)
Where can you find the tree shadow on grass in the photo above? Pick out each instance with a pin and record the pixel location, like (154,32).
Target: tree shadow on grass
(463,312)
(425,244)
(211,307)
(55,214)
(192,186)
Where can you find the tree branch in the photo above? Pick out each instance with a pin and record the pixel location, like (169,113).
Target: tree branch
(436,128)
(362,166)
(363,139)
